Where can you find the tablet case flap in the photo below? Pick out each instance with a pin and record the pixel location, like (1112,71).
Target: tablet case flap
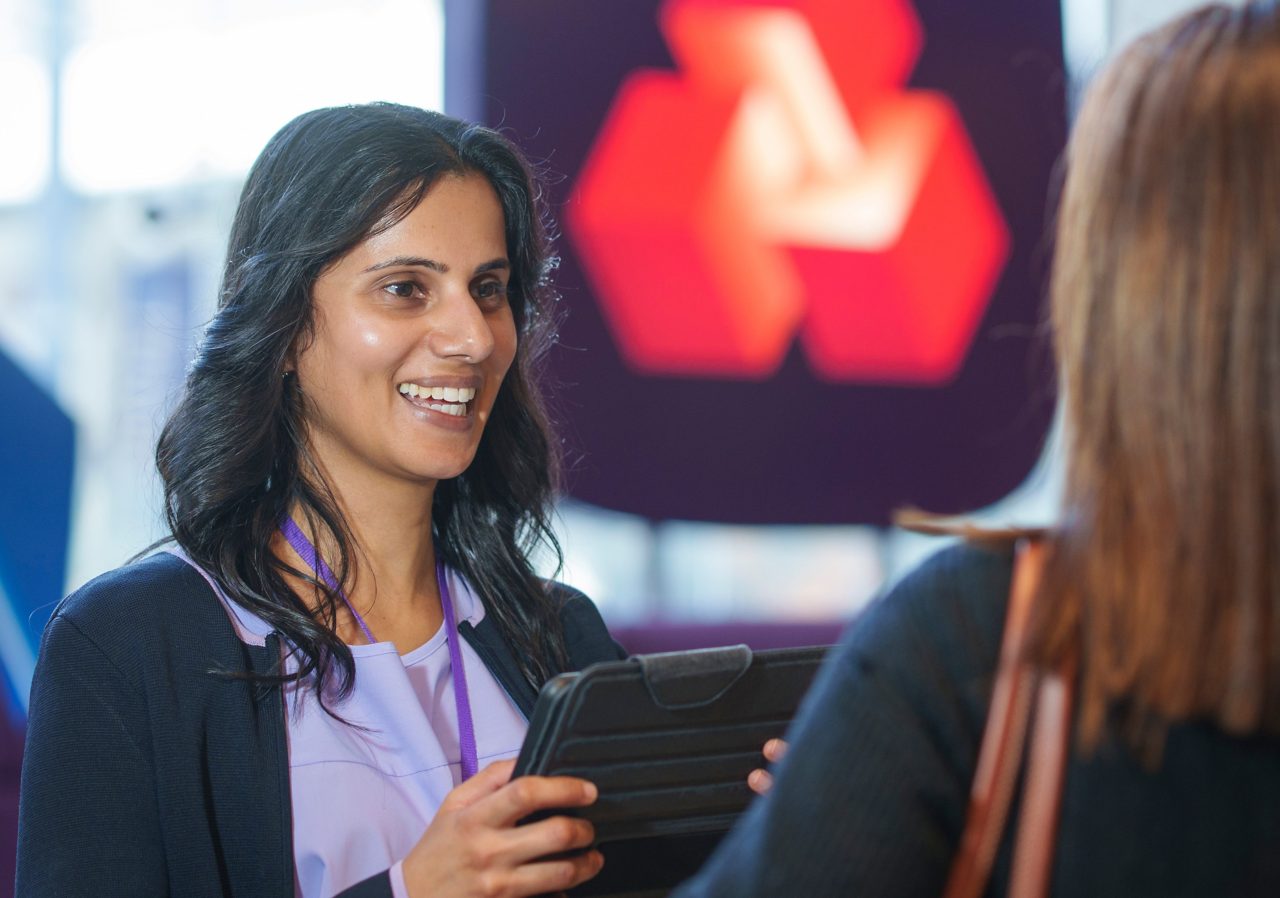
(693,679)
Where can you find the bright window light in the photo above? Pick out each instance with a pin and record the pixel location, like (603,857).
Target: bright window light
(1086,35)
(24,127)
(186,102)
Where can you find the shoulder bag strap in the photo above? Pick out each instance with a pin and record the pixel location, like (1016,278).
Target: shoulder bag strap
(1042,794)
(1017,689)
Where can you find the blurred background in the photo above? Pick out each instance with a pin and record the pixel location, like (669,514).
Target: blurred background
(804,253)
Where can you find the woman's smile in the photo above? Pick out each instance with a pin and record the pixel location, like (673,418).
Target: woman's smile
(457,402)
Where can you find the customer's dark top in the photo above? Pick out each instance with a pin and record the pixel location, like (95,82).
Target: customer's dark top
(147,775)
(871,799)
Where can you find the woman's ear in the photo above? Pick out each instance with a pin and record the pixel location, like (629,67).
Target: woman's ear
(290,366)
(301,340)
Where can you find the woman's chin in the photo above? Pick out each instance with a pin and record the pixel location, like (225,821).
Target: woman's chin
(436,472)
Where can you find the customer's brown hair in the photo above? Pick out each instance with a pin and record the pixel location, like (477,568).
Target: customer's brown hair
(1166,313)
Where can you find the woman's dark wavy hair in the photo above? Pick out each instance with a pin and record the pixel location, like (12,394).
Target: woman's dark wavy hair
(232,455)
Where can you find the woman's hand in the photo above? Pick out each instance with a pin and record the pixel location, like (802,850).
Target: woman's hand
(761,781)
(474,848)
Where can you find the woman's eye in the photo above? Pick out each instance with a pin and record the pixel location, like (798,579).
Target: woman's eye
(491,291)
(402,289)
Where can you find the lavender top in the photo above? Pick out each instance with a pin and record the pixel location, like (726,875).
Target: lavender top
(362,799)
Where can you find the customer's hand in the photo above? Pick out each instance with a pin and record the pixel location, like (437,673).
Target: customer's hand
(760,780)
(474,848)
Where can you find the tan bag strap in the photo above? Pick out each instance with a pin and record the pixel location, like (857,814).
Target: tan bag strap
(1018,688)
(1042,794)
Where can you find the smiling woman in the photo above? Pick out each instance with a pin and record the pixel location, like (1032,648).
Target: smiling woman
(404,322)
(347,618)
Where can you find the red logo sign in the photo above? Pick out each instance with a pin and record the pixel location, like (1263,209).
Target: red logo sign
(783,182)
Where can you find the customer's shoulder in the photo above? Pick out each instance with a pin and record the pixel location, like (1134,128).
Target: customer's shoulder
(962,571)
(950,607)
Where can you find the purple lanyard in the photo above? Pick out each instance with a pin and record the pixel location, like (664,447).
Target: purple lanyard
(466,730)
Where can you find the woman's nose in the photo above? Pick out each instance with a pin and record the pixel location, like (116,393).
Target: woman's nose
(459,329)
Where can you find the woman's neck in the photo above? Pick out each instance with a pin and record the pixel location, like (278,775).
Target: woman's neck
(391,578)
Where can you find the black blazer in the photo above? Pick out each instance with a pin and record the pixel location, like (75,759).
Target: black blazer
(144,774)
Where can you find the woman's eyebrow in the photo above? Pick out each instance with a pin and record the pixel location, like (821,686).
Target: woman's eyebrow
(493,265)
(404,261)
(440,267)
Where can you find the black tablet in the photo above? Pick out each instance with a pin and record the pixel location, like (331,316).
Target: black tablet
(669,740)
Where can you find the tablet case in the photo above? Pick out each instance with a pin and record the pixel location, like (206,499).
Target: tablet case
(669,740)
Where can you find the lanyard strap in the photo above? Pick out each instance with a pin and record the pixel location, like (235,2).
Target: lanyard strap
(307,552)
(462,700)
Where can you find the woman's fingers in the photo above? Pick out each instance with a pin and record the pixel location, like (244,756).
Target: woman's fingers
(557,875)
(485,783)
(553,836)
(761,781)
(526,794)
(473,845)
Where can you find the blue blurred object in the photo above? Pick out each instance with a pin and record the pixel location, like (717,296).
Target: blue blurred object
(37,465)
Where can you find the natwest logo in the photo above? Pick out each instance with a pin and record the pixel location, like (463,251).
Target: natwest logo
(784,183)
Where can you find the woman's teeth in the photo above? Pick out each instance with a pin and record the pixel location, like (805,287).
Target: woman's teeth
(450,400)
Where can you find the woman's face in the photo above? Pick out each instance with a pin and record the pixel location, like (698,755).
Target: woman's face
(413,335)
